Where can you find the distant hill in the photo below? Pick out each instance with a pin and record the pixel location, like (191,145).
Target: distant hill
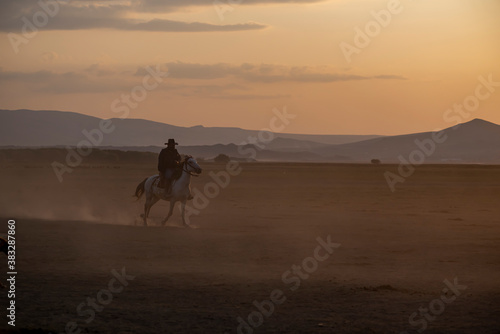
(51,128)
(476,141)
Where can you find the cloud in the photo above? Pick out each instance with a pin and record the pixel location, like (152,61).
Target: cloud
(174,5)
(38,76)
(101,79)
(78,15)
(98,70)
(266,73)
(168,25)
(250,96)
(62,83)
(221,81)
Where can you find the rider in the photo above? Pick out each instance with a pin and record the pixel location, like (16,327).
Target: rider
(168,162)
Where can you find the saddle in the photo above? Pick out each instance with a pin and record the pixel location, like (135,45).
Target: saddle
(161,190)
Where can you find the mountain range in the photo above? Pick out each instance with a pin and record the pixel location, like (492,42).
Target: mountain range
(475,141)
(50,128)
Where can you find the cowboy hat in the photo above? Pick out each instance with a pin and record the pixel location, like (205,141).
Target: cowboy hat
(171,142)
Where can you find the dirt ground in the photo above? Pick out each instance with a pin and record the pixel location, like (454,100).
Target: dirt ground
(396,251)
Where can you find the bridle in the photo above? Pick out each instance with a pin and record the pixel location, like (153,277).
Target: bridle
(186,162)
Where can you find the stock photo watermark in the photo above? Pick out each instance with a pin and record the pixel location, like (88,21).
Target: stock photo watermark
(121,106)
(31,24)
(86,310)
(363,37)
(292,279)
(225,6)
(427,147)
(8,246)
(419,321)
(247,149)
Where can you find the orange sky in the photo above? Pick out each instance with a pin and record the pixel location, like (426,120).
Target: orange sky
(232,69)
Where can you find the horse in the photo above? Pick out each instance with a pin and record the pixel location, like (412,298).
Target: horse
(180,190)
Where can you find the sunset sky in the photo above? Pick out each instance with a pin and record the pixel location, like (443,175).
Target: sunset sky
(230,64)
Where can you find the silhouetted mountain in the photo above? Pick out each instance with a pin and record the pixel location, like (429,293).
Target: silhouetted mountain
(51,128)
(476,141)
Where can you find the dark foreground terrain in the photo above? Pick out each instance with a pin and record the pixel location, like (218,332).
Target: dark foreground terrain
(396,250)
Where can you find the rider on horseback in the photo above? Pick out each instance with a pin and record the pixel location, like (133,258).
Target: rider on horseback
(168,162)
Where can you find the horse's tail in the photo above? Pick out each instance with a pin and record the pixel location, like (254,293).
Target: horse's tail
(140,189)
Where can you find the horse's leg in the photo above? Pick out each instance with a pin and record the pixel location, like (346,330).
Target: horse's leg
(170,211)
(146,212)
(150,201)
(183,212)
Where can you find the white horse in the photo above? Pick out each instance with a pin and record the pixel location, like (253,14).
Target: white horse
(180,190)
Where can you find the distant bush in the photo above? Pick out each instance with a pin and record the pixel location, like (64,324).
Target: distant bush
(222,158)
(376,161)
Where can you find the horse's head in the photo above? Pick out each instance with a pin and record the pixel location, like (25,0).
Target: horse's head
(191,165)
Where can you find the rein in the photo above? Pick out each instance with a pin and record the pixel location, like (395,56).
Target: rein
(185,170)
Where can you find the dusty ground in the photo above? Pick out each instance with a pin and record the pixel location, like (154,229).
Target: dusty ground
(396,250)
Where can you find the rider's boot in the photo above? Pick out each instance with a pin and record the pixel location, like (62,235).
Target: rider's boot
(168,186)
(161,184)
